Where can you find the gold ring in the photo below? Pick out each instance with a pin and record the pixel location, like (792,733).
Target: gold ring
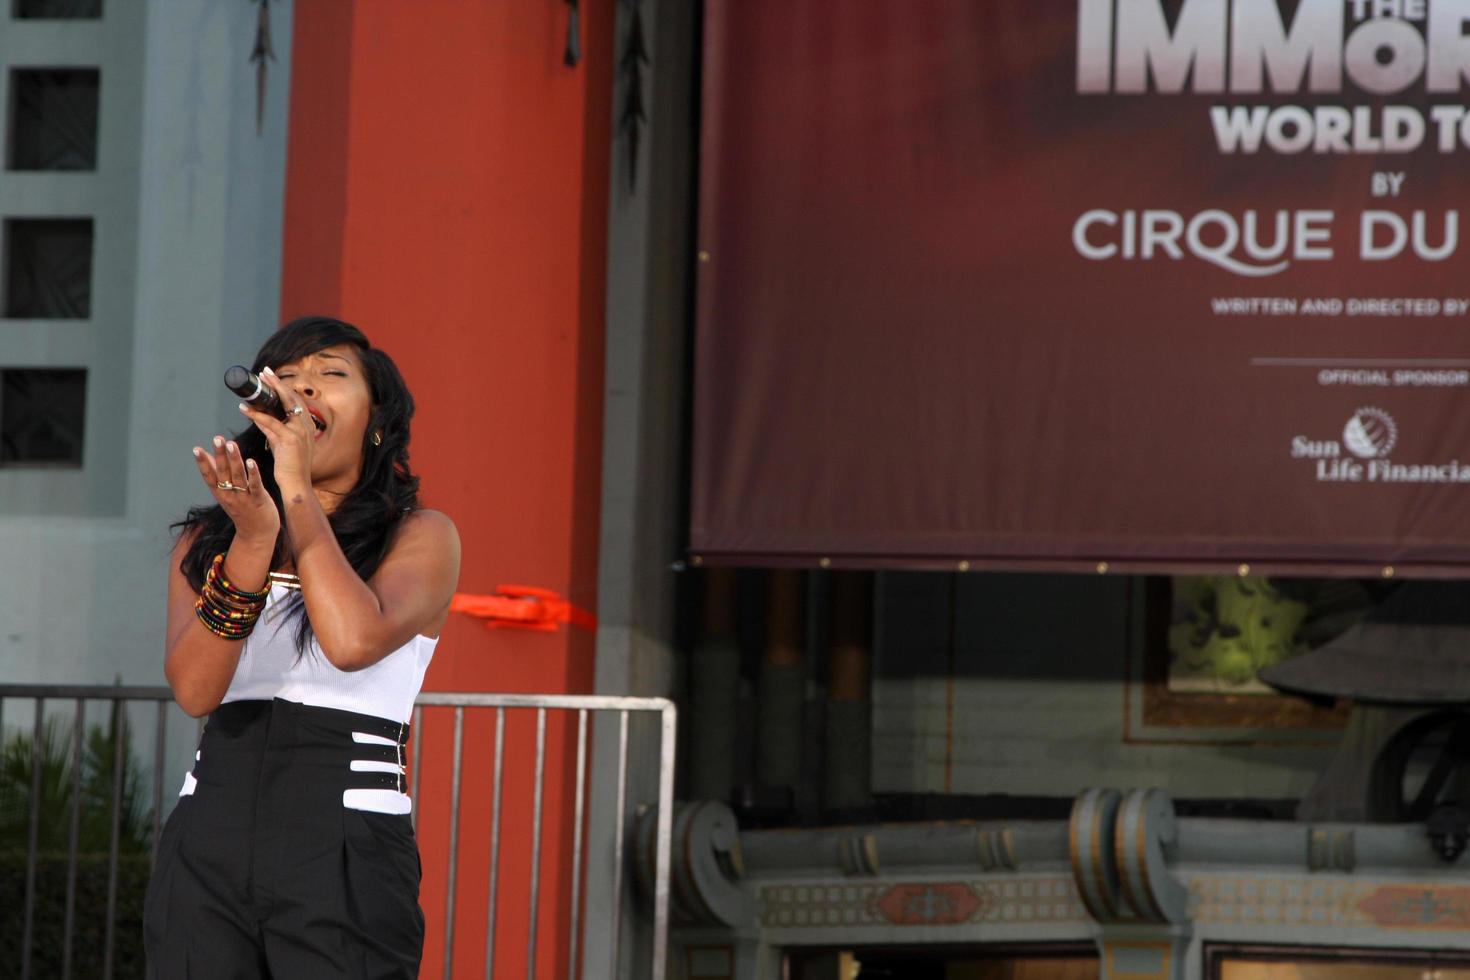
(227,485)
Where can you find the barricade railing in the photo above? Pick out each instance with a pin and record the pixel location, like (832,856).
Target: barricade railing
(584,708)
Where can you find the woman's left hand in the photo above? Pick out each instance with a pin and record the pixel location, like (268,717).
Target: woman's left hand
(290,440)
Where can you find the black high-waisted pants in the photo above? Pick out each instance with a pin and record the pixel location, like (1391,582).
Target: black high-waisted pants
(263,873)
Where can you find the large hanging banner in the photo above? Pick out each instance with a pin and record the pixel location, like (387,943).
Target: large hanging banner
(1113,284)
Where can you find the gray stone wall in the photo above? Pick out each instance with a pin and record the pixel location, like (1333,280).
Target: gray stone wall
(189,203)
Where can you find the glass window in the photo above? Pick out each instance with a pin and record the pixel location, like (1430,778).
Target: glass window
(58,9)
(53,119)
(1344,970)
(42,416)
(48,268)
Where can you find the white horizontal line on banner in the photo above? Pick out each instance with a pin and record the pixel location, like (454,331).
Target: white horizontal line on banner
(1358,361)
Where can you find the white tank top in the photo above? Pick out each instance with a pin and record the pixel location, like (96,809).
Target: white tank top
(270,668)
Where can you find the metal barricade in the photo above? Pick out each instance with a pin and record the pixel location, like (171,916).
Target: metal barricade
(584,708)
(80,695)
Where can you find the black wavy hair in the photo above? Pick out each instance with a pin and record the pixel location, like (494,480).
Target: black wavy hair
(367,518)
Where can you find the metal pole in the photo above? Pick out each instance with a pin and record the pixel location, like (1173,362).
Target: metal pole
(577,817)
(119,719)
(74,839)
(592,702)
(158,762)
(453,845)
(536,841)
(617,898)
(495,841)
(33,837)
(667,720)
(416,732)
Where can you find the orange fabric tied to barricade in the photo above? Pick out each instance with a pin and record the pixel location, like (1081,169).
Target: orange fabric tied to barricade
(522,607)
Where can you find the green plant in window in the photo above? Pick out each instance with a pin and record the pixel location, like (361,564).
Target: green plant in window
(1235,625)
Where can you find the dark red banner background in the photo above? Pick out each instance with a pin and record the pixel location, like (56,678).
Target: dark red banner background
(903,360)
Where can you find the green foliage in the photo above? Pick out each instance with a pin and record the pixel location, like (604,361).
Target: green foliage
(99,758)
(89,929)
(58,775)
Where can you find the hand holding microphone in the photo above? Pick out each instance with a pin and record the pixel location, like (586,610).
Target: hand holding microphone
(265,403)
(233,480)
(254,392)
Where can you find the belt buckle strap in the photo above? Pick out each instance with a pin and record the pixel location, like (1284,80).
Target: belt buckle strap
(402,740)
(395,781)
(394,731)
(398,733)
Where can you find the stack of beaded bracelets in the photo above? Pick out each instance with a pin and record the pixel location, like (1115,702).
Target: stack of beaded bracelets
(225,610)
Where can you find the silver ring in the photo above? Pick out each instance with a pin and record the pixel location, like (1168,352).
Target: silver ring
(227,485)
(298,410)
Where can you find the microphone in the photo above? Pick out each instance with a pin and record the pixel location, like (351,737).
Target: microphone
(256,393)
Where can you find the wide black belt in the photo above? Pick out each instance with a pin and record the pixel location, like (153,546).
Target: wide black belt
(345,723)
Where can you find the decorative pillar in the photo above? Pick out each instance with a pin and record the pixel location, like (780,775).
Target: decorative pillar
(714,688)
(718,935)
(1120,846)
(847,778)
(781,686)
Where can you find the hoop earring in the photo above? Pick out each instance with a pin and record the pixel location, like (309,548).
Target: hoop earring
(377,438)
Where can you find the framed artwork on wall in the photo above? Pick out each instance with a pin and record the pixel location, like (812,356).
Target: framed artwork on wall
(1199,641)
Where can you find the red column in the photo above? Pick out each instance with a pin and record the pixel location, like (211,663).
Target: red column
(447,192)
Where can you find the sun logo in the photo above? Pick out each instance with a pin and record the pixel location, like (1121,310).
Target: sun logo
(1370,433)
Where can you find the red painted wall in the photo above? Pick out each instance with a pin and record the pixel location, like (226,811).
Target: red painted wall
(447,192)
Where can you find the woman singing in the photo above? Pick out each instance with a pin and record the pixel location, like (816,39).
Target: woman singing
(303,608)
